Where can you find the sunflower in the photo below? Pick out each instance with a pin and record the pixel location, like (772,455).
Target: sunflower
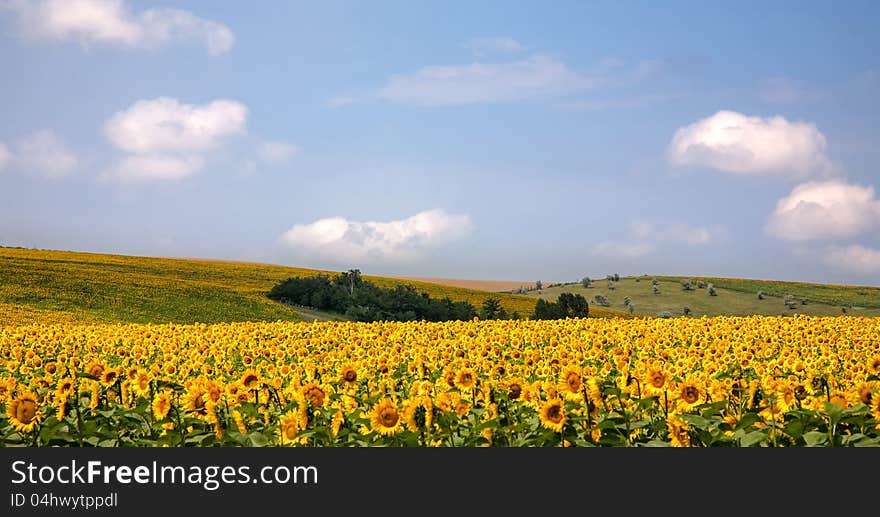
(288,427)
(514,389)
(64,388)
(874,365)
(95,369)
(314,394)
(141,383)
(570,383)
(250,379)
(866,392)
(24,412)
(465,379)
(678,432)
(657,380)
(553,415)
(109,376)
(348,373)
(194,401)
(875,410)
(239,421)
(161,405)
(689,395)
(384,418)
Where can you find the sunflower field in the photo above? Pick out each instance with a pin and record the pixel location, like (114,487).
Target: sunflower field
(687,382)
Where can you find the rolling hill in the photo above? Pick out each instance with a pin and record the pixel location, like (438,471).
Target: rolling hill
(43,286)
(735,297)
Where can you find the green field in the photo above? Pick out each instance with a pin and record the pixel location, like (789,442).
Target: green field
(735,297)
(39,286)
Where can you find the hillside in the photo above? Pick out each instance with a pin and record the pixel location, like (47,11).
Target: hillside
(62,286)
(735,297)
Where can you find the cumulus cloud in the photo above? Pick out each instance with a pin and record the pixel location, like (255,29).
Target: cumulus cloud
(154,167)
(824,210)
(496,44)
(342,241)
(165,124)
(741,144)
(111,22)
(166,139)
(43,153)
(854,259)
(535,76)
(277,152)
(5,155)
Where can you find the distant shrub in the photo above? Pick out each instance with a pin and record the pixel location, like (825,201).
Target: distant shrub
(760,295)
(631,308)
(611,285)
(664,314)
(711,290)
(701,284)
(654,281)
(687,285)
(687,310)
(586,281)
(627,301)
(601,300)
(656,289)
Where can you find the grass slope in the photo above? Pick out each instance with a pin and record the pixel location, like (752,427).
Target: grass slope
(39,286)
(735,297)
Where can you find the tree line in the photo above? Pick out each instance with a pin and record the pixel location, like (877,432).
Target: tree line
(360,300)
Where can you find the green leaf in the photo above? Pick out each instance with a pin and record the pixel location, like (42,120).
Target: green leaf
(752,438)
(815,438)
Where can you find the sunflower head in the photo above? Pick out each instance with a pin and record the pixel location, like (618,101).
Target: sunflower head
(161,405)
(553,415)
(348,374)
(109,376)
(24,412)
(250,380)
(385,418)
(465,379)
(288,427)
(570,381)
(314,394)
(95,369)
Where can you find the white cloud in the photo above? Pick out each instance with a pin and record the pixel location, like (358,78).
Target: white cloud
(277,152)
(45,154)
(854,259)
(5,155)
(740,144)
(111,22)
(823,210)
(155,167)
(167,139)
(536,76)
(622,249)
(490,45)
(339,240)
(165,124)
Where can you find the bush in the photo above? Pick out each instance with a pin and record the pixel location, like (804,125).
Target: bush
(601,300)
(687,311)
(711,290)
(664,314)
(760,295)
(656,289)
(686,285)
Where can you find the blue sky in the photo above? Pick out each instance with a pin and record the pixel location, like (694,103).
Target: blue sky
(490,140)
